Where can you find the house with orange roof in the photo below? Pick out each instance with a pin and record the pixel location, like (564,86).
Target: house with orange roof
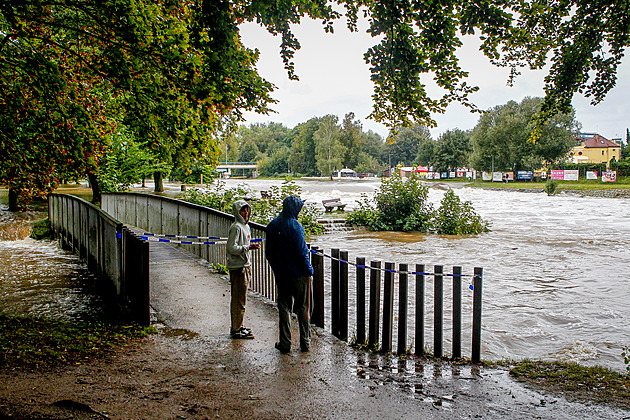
(595,149)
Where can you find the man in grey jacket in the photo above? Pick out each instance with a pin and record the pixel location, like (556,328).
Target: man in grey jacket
(239,264)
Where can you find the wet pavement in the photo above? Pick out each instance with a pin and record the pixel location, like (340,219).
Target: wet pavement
(333,380)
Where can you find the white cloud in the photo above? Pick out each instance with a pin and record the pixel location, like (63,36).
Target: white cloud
(334,79)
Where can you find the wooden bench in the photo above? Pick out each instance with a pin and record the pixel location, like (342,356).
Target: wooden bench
(330,205)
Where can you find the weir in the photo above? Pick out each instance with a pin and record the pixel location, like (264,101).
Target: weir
(199,230)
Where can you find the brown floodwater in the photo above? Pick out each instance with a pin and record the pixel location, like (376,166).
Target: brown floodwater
(555,269)
(38,277)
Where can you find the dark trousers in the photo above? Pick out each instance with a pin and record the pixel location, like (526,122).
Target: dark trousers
(295,295)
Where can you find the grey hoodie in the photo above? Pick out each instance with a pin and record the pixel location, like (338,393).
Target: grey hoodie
(239,237)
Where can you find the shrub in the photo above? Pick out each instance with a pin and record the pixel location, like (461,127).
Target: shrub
(551,186)
(263,209)
(401,205)
(455,217)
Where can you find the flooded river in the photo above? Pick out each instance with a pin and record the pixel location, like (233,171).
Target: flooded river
(556,272)
(38,278)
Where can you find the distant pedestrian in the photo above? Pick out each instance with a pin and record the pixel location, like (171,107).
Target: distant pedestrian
(288,256)
(239,264)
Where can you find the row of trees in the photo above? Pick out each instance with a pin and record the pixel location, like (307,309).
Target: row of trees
(501,139)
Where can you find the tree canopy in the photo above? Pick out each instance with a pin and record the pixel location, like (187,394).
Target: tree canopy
(502,137)
(175,72)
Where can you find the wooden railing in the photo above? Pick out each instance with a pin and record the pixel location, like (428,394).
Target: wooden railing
(113,252)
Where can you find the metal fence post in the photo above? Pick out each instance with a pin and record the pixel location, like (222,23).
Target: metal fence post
(457,312)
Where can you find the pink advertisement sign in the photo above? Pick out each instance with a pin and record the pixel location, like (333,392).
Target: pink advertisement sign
(557,174)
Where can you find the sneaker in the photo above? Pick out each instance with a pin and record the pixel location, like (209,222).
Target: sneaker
(242,333)
(283,350)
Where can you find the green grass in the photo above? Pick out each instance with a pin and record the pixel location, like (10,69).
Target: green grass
(38,343)
(622,184)
(576,382)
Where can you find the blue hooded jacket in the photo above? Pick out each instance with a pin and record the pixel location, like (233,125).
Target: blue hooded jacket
(285,246)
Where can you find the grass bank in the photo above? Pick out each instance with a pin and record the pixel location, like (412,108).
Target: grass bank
(38,343)
(576,382)
(584,185)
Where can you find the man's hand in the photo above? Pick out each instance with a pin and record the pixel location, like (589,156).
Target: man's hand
(255,245)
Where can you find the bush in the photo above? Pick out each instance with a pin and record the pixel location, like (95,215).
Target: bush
(551,186)
(401,205)
(263,209)
(455,217)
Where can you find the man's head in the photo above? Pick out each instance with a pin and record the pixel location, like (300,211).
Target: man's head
(291,206)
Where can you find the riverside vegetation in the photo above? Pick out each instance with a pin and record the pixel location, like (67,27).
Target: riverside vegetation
(400,204)
(264,209)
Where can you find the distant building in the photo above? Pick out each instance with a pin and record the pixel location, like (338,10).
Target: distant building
(345,173)
(595,149)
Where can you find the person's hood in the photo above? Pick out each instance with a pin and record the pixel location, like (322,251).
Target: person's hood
(291,206)
(236,208)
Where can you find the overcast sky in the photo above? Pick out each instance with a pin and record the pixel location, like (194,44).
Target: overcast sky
(334,79)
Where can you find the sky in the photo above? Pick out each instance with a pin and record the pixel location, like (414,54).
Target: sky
(334,79)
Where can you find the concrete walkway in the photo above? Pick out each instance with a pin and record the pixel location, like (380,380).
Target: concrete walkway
(332,380)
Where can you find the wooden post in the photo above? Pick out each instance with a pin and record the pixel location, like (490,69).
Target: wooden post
(388,308)
(457,312)
(476,327)
(403,296)
(360,300)
(317,260)
(375,302)
(334,285)
(438,314)
(419,344)
(343,295)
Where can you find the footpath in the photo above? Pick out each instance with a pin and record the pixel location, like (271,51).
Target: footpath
(192,369)
(333,380)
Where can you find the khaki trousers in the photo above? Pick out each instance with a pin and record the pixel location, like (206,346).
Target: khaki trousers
(239,282)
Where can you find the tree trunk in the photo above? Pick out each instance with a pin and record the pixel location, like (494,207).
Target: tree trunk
(13,199)
(158,181)
(96,188)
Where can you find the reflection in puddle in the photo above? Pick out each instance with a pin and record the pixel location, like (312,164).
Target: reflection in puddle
(413,376)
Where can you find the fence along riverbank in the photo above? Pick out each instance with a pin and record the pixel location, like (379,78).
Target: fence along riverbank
(168,217)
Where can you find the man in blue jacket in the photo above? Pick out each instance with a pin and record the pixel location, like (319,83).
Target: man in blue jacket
(289,258)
